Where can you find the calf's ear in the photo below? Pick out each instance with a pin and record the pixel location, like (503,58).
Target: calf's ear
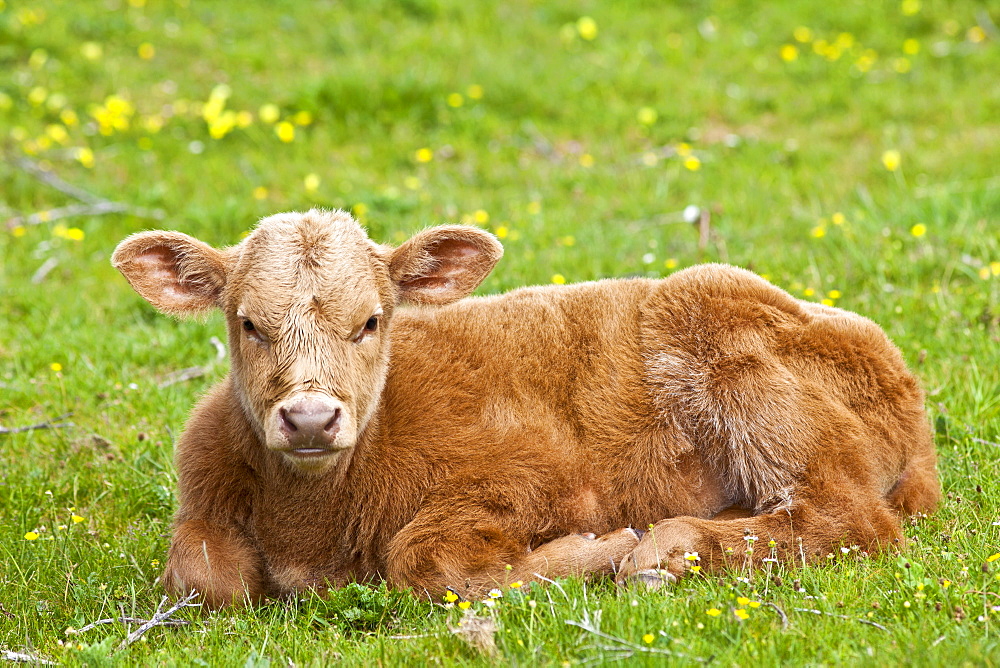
(443,264)
(174,272)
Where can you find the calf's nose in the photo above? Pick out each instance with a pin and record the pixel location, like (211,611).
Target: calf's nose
(309,423)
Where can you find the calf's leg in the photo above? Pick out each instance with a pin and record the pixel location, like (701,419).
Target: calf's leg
(216,562)
(808,529)
(473,552)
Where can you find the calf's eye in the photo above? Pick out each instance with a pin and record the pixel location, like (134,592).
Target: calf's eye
(248,326)
(369,328)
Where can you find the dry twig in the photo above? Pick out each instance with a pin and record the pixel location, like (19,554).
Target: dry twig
(18,657)
(126,620)
(193,372)
(160,618)
(54,423)
(830,614)
(784,617)
(89,204)
(622,645)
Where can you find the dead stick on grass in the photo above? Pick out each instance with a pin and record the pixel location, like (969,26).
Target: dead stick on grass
(784,617)
(625,645)
(18,657)
(126,620)
(193,372)
(90,204)
(160,618)
(54,423)
(830,614)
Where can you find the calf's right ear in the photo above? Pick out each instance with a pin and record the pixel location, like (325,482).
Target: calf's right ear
(175,273)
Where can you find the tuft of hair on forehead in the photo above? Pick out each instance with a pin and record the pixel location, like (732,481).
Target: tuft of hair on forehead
(311,236)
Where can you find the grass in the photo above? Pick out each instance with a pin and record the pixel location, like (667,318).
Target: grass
(579,142)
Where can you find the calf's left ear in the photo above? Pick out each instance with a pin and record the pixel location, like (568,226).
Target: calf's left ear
(443,264)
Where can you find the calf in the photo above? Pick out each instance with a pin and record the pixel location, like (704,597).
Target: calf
(468,443)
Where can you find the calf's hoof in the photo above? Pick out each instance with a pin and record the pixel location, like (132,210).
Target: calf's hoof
(650,578)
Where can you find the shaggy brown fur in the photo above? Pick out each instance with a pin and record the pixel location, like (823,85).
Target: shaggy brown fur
(502,432)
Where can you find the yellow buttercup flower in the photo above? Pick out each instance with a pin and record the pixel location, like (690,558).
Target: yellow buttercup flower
(269,113)
(91,51)
(285,131)
(587,27)
(789,52)
(891,159)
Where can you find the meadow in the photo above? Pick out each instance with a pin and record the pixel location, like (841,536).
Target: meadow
(846,151)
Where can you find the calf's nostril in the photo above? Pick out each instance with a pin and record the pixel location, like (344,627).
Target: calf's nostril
(286,423)
(334,422)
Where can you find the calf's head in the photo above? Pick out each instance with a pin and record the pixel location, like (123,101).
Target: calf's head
(308,300)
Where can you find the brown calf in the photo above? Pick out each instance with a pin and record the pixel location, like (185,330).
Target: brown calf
(467,443)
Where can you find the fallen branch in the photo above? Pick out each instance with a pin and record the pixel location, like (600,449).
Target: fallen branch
(623,645)
(193,372)
(54,423)
(44,270)
(784,617)
(52,179)
(830,614)
(18,657)
(90,204)
(414,636)
(126,620)
(160,618)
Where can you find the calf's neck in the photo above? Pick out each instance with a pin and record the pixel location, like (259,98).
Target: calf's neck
(376,423)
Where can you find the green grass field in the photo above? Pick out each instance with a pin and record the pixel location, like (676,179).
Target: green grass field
(846,151)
